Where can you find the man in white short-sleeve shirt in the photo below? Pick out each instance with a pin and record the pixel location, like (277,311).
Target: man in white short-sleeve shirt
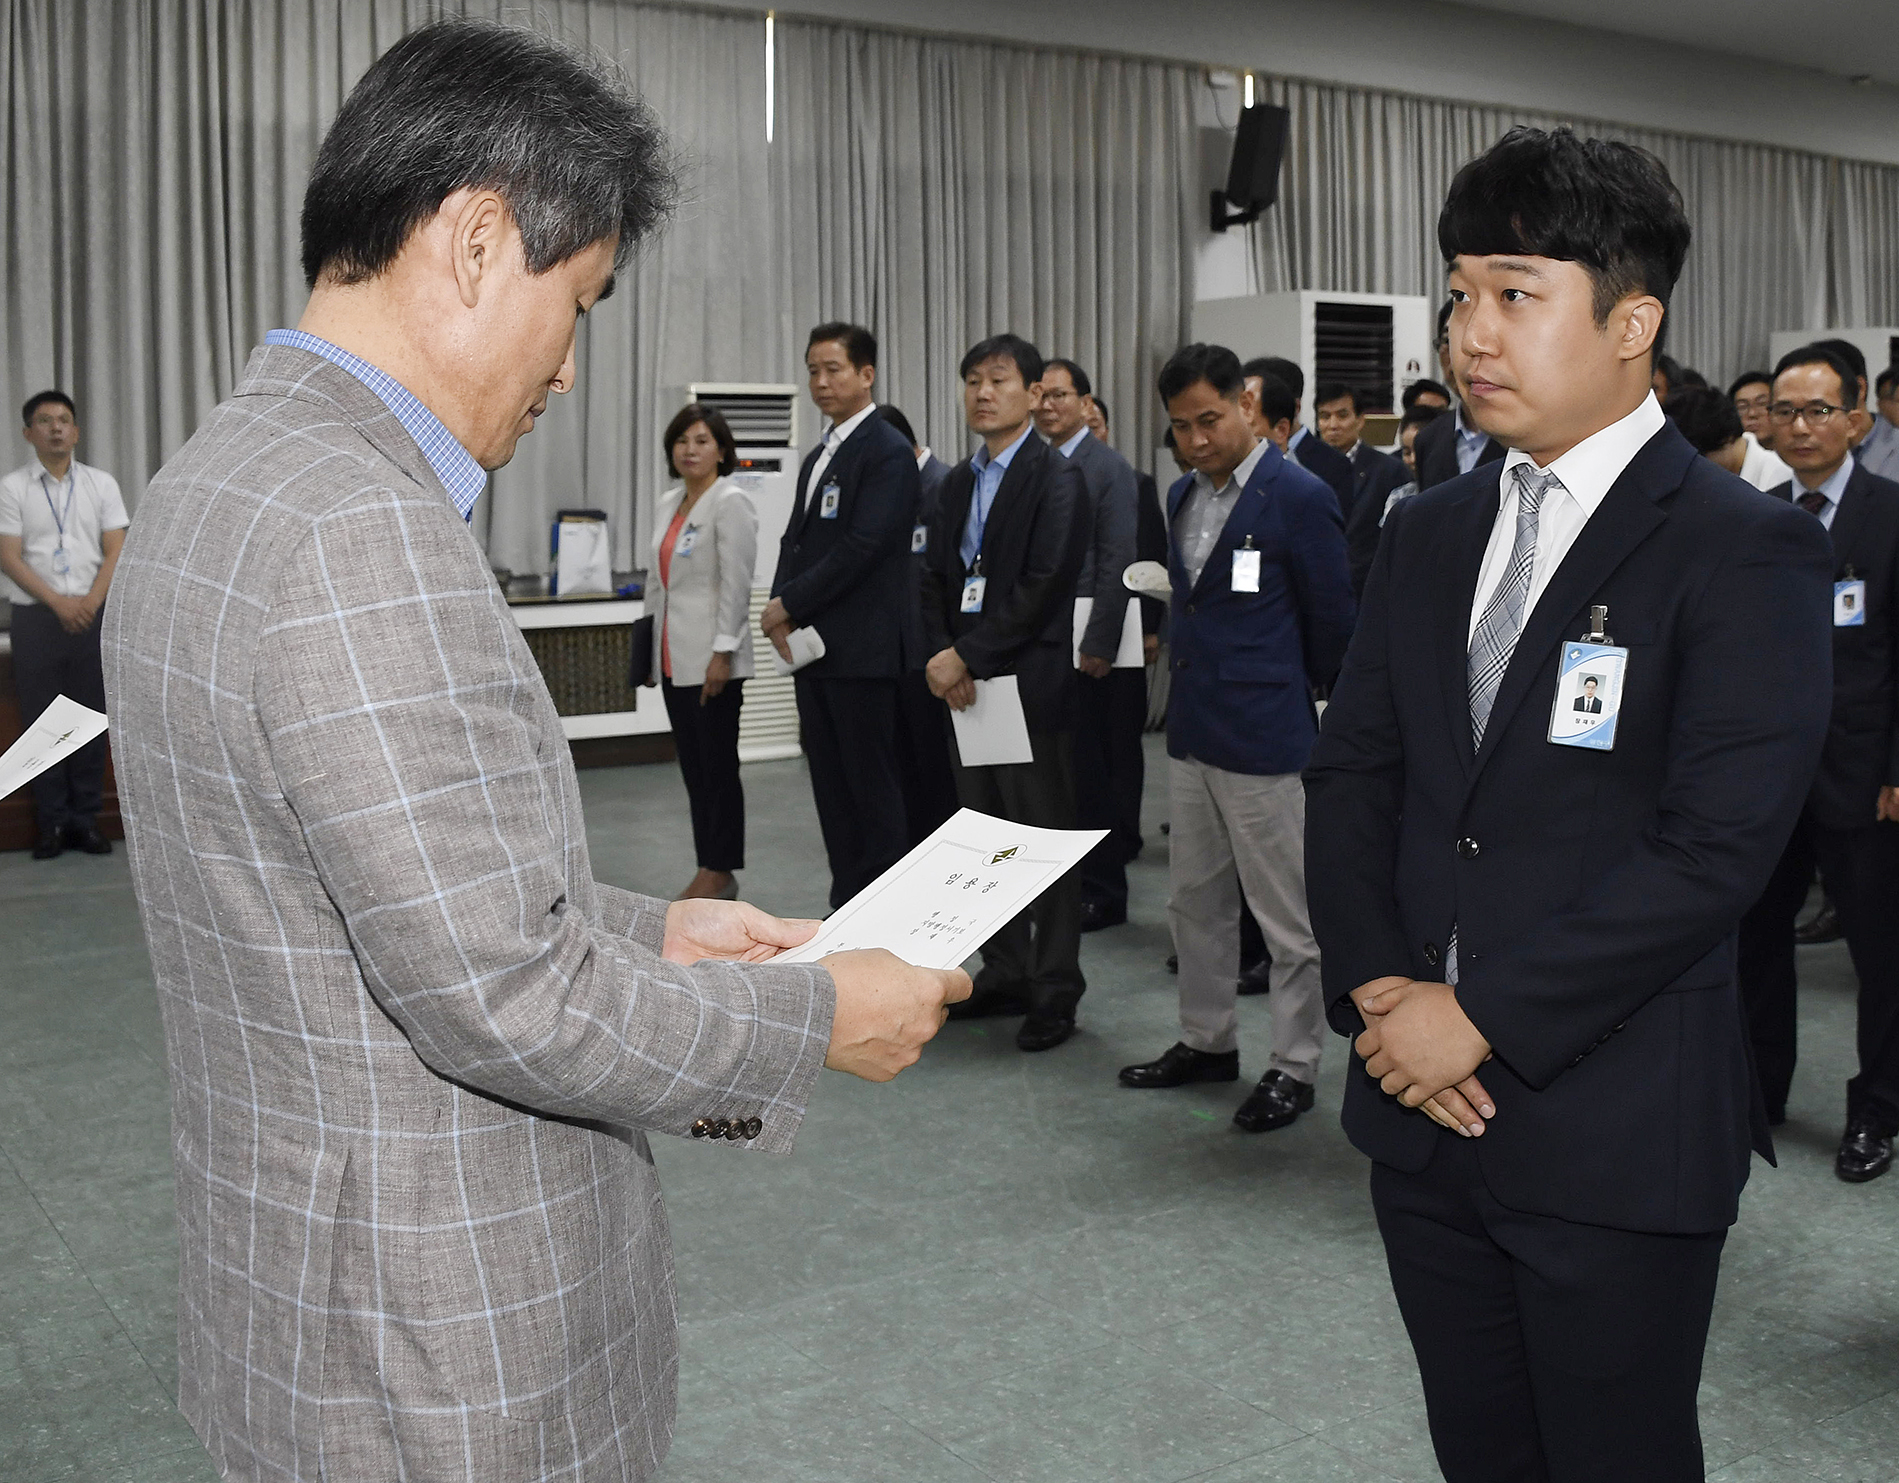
(61,525)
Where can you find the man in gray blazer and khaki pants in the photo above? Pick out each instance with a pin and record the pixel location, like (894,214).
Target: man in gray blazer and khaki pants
(415,1048)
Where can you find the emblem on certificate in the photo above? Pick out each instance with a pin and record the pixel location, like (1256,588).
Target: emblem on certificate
(1589,678)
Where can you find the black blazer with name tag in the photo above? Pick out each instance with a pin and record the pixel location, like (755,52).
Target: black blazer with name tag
(849,576)
(1595,895)
(1032,552)
(1862,741)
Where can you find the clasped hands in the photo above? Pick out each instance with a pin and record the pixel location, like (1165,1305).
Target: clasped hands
(950,680)
(886,1009)
(1421,1048)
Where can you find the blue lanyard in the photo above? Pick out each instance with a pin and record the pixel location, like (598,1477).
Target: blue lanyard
(59,520)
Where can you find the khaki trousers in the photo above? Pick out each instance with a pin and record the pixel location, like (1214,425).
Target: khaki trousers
(1231,833)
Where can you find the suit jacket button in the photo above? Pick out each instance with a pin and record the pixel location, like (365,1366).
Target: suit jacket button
(1467,847)
(1191,609)
(1431,955)
(702,1128)
(721,1128)
(754,1126)
(1180,664)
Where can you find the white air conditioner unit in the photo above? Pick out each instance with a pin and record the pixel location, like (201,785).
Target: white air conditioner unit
(1379,343)
(764,418)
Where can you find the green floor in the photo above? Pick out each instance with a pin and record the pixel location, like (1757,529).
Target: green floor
(999,1267)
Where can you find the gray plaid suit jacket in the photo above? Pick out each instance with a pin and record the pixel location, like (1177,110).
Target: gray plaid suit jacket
(415,1047)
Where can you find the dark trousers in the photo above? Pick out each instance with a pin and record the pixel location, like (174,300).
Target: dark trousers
(705,738)
(47,662)
(923,757)
(1861,870)
(849,728)
(1551,1352)
(1110,771)
(1040,950)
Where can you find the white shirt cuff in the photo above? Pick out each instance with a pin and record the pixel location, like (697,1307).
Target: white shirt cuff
(726,643)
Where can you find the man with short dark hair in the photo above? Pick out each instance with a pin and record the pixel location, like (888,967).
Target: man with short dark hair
(416,1047)
(999,599)
(844,569)
(1423,393)
(1752,392)
(1261,613)
(1849,828)
(62,524)
(1530,933)
(1709,420)
(1878,452)
(1109,698)
(1341,417)
(1369,515)
(1301,446)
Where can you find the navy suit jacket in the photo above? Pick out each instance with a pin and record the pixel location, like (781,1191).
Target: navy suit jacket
(1319,457)
(850,576)
(1244,663)
(1435,449)
(1595,894)
(1862,741)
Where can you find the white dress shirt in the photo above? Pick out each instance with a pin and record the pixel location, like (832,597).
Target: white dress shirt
(33,506)
(834,440)
(1068,448)
(1762,467)
(923,458)
(1587,471)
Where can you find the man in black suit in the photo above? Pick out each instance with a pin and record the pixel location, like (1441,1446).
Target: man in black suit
(1340,411)
(1589,702)
(1848,827)
(1301,446)
(923,755)
(999,599)
(1110,700)
(844,569)
(1533,943)
(1451,445)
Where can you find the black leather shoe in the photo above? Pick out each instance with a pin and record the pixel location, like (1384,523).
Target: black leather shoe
(50,847)
(1275,1103)
(985,1004)
(88,839)
(1044,1031)
(1095,916)
(1822,926)
(1865,1153)
(1181,1065)
(1257,979)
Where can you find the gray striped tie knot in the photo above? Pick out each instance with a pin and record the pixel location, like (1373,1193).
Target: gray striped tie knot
(1495,637)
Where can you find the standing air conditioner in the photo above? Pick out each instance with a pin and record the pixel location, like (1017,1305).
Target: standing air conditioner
(764,422)
(1378,343)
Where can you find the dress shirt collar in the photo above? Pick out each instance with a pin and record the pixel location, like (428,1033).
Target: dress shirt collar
(1239,478)
(1834,487)
(1594,464)
(1068,448)
(924,456)
(840,431)
(1298,437)
(1465,432)
(981,459)
(454,465)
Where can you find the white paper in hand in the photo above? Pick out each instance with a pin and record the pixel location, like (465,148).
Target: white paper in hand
(952,893)
(62,729)
(807,647)
(1127,654)
(993,731)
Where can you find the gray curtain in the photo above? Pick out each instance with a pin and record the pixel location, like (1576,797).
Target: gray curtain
(937,190)
(1783,239)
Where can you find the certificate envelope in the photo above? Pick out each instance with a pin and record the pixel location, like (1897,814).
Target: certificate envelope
(1128,654)
(62,729)
(952,893)
(993,731)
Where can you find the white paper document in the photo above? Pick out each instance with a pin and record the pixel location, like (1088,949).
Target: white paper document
(1128,655)
(952,893)
(993,730)
(62,729)
(807,647)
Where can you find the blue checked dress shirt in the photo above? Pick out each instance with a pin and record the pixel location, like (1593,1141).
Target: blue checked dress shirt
(989,472)
(454,465)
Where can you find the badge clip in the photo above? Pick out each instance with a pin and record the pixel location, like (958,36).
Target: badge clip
(1598,624)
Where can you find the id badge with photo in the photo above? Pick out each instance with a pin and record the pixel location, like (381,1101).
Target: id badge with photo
(972,593)
(688,538)
(1246,568)
(1588,695)
(919,540)
(827,502)
(1849,604)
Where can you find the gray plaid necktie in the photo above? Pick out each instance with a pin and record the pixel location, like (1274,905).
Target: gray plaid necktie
(1495,637)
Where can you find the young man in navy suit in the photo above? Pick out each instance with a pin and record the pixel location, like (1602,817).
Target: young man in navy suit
(1850,826)
(1303,447)
(1261,612)
(1528,926)
(844,569)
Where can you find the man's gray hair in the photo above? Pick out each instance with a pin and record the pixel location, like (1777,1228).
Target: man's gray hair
(558,134)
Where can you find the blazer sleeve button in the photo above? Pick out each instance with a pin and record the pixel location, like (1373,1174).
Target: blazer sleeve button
(1467,848)
(702,1128)
(1431,954)
(754,1126)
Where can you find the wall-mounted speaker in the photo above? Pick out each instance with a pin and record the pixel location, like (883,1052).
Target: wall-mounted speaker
(1252,178)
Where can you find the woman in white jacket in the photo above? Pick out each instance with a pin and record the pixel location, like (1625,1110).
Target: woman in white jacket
(704,554)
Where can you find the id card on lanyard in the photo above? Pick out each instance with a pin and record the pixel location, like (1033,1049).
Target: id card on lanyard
(976,583)
(62,563)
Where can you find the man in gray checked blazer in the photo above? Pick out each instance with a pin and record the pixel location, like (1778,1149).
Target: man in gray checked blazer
(416,1049)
